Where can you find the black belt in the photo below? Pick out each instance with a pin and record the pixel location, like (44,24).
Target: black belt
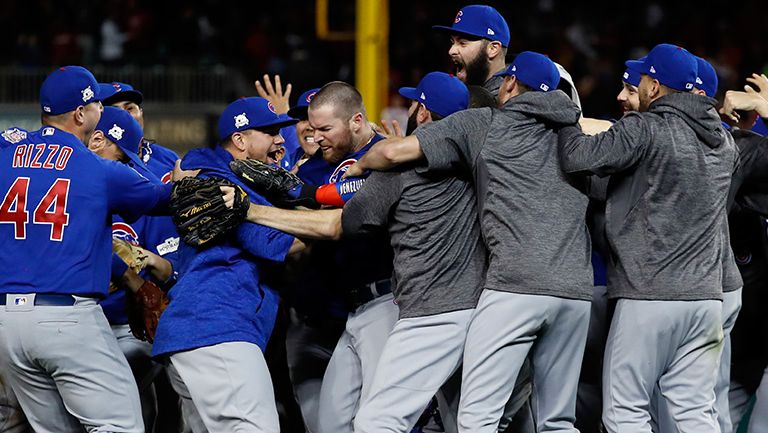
(43,300)
(358,296)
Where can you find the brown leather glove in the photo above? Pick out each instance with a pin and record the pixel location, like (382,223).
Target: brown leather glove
(144,310)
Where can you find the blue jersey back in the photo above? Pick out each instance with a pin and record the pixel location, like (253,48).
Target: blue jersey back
(56,212)
(316,171)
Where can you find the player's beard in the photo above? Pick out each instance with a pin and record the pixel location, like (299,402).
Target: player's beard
(412,123)
(477,71)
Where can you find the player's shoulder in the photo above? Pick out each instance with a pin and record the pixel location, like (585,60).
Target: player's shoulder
(13,135)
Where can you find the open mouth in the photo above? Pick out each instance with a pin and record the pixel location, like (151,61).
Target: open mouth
(461,70)
(272,157)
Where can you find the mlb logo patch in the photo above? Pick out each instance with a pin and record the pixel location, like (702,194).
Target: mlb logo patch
(20,300)
(544,87)
(689,86)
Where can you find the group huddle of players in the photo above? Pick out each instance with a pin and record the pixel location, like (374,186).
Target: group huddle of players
(503,264)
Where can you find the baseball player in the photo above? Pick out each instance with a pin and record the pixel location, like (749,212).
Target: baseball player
(62,360)
(435,296)
(525,202)
(221,314)
(304,132)
(669,284)
(117,137)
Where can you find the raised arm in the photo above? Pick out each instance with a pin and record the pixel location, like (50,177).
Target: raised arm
(387,154)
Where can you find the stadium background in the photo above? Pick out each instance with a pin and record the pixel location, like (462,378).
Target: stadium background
(191,58)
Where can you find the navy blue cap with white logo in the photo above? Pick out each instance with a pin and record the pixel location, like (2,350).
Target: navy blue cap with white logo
(68,88)
(251,113)
(118,92)
(299,111)
(441,93)
(122,129)
(673,66)
(535,70)
(706,79)
(481,21)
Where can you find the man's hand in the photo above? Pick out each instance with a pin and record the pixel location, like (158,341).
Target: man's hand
(745,101)
(760,83)
(388,131)
(178,173)
(354,170)
(594,126)
(275,94)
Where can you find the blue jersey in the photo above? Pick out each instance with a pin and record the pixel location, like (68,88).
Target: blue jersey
(219,296)
(316,171)
(56,212)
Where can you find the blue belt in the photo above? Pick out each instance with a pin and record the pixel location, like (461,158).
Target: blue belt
(47,300)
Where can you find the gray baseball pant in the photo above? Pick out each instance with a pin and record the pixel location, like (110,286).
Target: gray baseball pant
(139,356)
(676,344)
(419,357)
(350,372)
(505,328)
(12,419)
(66,369)
(229,386)
(661,414)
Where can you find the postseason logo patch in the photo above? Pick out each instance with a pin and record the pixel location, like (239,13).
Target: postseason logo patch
(14,135)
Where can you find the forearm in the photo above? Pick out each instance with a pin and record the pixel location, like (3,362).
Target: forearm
(391,152)
(310,224)
(160,268)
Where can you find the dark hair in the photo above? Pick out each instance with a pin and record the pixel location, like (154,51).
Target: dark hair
(435,116)
(343,97)
(480,97)
(522,88)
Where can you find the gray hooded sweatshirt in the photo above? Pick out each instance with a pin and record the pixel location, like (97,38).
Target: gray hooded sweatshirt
(670,171)
(532,218)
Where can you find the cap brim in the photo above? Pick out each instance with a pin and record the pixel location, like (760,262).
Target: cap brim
(638,66)
(281,122)
(299,113)
(458,32)
(132,156)
(409,93)
(127,95)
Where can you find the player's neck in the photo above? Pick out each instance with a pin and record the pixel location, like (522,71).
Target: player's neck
(366,135)
(66,127)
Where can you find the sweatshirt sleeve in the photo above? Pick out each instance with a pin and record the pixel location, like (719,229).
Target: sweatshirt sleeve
(613,151)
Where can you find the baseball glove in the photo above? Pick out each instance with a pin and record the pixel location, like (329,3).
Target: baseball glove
(133,256)
(144,310)
(281,187)
(199,212)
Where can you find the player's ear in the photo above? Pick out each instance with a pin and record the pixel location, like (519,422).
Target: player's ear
(423,114)
(356,122)
(238,140)
(79,115)
(493,49)
(97,141)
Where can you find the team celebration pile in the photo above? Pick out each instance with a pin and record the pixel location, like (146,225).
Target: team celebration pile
(504,263)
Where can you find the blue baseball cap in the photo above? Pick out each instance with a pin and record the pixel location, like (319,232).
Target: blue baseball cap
(441,93)
(481,21)
(673,66)
(535,70)
(251,113)
(632,75)
(68,88)
(707,77)
(122,129)
(299,111)
(117,92)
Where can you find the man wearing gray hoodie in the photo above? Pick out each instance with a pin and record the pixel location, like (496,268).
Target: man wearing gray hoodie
(539,279)
(670,168)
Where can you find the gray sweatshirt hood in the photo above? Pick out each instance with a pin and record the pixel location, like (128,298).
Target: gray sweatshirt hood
(699,112)
(554,108)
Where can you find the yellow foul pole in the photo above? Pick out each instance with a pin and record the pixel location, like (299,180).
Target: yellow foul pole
(372,54)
